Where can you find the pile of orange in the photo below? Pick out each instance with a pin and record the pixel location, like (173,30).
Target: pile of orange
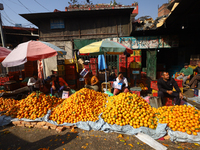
(84,105)
(180,118)
(129,109)
(34,106)
(5,103)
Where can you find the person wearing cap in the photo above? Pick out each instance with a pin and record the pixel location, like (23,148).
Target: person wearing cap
(185,73)
(91,82)
(34,83)
(196,78)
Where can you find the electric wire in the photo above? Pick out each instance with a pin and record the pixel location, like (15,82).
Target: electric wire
(24,6)
(41,5)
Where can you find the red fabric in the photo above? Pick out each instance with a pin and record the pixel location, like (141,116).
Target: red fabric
(38,50)
(128,50)
(3,53)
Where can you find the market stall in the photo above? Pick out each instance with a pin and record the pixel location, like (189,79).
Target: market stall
(87,109)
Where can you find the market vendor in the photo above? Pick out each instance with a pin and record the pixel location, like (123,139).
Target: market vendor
(58,84)
(91,82)
(185,73)
(165,86)
(121,79)
(196,78)
(34,83)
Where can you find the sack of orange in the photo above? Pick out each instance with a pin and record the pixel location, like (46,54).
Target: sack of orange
(5,103)
(129,109)
(34,106)
(84,105)
(180,118)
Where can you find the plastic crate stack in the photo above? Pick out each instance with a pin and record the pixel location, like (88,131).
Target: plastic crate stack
(61,71)
(154,88)
(122,63)
(3,80)
(71,75)
(93,66)
(133,63)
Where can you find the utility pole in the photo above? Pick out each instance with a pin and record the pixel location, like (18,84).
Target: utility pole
(1,30)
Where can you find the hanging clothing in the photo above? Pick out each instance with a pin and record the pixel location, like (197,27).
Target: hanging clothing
(101,62)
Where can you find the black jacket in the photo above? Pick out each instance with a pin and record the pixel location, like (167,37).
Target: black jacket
(167,86)
(197,69)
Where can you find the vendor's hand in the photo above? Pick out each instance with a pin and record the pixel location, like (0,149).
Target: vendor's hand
(54,88)
(188,77)
(183,74)
(180,95)
(169,92)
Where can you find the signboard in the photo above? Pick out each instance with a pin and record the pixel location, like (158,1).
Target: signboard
(57,24)
(148,42)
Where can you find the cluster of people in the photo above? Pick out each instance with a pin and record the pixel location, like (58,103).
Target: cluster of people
(166,84)
(187,73)
(58,84)
(92,82)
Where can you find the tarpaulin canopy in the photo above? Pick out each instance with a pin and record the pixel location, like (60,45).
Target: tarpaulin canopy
(3,53)
(31,51)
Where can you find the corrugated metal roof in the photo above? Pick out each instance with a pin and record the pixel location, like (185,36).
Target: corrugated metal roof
(36,18)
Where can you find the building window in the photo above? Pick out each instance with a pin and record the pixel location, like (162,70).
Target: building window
(57,24)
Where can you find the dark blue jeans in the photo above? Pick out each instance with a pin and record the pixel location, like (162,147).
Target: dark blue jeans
(59,90)
(173,95)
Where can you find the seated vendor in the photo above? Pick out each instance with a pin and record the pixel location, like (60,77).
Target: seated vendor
(58,84)
(34,83)
(91,82)
(123,80)
(165,86)
(196,78)
(185,73)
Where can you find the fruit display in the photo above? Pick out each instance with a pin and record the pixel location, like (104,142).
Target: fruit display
(143,87)
(84,105)
(180,118)
(2,91)
(129,109)
(34,106)
(5,103)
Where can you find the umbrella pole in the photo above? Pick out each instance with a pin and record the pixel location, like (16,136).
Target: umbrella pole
(105,70)
(44,73)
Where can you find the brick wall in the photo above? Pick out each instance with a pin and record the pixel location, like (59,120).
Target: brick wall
(163,10)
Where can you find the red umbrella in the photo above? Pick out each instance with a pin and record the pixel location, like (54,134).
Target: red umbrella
(3,53)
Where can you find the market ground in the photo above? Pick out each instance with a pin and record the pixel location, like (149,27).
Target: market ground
(23,138)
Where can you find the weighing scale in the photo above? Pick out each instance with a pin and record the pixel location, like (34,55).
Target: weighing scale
(135,73)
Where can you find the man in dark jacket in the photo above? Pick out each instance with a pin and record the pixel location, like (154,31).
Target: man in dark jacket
(165,86)
(196,78)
